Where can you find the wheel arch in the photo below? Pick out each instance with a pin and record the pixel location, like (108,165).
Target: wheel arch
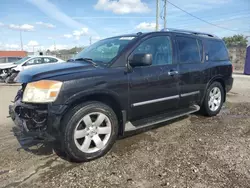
(107,98)
(215,79)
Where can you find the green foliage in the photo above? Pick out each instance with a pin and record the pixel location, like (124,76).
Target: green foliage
(236,40)
(74,50)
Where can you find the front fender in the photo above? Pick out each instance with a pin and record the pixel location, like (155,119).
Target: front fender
(83,94)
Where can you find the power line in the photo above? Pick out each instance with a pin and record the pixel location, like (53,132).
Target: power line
(202,19)
(235,17)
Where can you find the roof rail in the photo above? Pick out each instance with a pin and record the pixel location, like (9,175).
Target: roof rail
(188,32)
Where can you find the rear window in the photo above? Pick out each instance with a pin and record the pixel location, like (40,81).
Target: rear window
(2,59)
(216,51)
(12,59)
(189,51)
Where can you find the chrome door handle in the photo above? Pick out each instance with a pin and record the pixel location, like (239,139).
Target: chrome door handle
(171,73)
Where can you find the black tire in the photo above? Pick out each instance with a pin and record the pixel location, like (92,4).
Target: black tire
(70,122)
(205,106)
(7,80)
(10,79)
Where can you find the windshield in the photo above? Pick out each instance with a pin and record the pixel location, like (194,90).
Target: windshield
(21,60)
(105,50)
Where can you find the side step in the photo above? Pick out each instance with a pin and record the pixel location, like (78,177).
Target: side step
(146,122)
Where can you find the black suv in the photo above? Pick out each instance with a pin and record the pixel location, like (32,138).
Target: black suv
(121,84)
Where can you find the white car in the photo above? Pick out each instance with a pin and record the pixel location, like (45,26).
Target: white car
(6,70)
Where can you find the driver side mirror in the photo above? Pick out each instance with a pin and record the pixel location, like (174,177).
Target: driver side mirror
(141,60)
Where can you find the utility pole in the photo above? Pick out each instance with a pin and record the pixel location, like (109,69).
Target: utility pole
(157,16)
(90,40)
(165,14)
(21,38)
(54,46)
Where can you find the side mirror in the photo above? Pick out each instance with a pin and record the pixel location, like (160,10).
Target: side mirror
(141,60)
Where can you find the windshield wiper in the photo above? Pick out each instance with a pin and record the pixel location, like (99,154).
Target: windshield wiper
(89,60)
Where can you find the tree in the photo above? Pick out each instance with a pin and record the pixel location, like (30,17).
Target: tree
(236,40)
(48,52)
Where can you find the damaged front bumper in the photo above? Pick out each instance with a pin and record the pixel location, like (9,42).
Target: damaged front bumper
(35,123)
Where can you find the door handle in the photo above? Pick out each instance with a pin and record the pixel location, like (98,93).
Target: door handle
(172,73)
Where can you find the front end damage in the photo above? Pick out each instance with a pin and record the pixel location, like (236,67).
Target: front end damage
(34,122)
(8,75)
(4,73)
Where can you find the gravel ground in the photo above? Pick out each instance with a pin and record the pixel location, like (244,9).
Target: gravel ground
(193,151)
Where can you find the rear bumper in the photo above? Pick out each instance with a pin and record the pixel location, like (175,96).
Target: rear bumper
(35,123)
(229,84)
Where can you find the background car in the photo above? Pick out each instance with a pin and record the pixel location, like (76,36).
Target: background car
(9,59)
(10,71)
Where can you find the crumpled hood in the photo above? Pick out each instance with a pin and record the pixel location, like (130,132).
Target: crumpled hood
(52,70)
(7,65)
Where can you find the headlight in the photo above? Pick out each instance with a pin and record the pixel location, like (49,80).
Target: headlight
(43,91)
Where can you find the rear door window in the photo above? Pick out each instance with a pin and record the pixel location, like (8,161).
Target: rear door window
(49,60)
(217,50)
(189,51)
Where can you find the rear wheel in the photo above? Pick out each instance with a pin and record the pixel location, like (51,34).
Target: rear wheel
(214,99)
(90,130)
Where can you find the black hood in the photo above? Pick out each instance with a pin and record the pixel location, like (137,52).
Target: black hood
(51,70)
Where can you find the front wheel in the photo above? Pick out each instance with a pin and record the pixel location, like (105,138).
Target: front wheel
(214,99)
(10,79)
(89,132)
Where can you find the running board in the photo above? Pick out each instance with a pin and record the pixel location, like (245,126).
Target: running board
(143,123)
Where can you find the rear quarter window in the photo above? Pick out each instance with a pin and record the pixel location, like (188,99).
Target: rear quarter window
(216,51)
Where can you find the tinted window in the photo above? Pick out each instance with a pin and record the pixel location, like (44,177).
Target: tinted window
(189,51)
(53,60)
(216,51)
(160,47)
(34,61)
(49,60)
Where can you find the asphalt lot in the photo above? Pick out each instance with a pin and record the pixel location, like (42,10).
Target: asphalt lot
(193,151)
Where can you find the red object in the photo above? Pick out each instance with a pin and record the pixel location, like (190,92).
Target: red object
(13,53)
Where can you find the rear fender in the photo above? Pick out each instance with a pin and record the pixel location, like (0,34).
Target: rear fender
(218,78)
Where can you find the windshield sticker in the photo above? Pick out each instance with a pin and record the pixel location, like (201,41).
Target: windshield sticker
(126,38)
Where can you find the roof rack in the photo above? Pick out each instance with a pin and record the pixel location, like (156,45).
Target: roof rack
(188,32)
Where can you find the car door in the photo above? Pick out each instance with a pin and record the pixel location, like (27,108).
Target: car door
(192,72)
(33,62)
(154,89)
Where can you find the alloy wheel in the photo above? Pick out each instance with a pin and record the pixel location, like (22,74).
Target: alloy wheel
(92,132)
(214,101)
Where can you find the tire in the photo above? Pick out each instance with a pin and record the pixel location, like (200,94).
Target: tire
(7,80)
(212,104)
(10,79)
(84,118)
